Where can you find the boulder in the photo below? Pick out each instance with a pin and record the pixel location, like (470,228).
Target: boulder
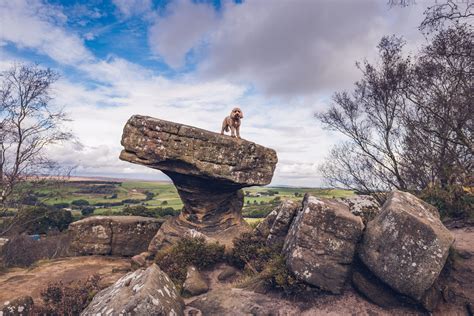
(279,229)
(406,245)
(321,242)
(195,284)
(113,235)
(142,292)
(208,169)
(17,307)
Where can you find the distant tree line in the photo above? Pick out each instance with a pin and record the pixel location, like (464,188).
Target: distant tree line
(408,121)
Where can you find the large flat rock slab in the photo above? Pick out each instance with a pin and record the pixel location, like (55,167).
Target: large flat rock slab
(183,149)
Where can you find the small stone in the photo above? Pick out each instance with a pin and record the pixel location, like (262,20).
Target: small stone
(227,273)
(195,284)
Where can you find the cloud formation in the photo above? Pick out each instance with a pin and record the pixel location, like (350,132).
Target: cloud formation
(279,62)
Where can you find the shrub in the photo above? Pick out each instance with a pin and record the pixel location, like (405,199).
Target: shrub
(70,299)
(452,202)
(164,203)
(138,210)
(167,211)
(23,251)
(80,202)
(188,251)
(61,205)
(40,220)
(86,211)
(264,264)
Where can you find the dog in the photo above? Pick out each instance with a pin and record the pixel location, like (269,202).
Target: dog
(233,122)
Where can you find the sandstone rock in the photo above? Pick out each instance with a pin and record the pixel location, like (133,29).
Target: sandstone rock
(286,212)
(406,245)
(142,292)
(238,302)
(227,273)
(364,206)
(113,235)
(263,228)
(208,169)
(138,261)
(17,307)
(195,284)
(320,244)
(373,289)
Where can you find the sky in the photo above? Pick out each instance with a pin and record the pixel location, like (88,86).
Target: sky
(192,61)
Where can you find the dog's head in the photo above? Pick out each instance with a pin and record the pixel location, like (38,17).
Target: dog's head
(237,113)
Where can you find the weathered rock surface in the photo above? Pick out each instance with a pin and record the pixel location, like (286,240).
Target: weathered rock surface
(320,244)
(142,292)
(241,302)
(406,245)
(208,169)
(286,212)
(364,206)
(195,283)
(263,228)
(20,306)
(113,235)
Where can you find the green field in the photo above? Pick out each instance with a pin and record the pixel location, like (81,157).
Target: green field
(111,197)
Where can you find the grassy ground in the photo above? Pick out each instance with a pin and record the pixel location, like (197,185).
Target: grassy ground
(258,200)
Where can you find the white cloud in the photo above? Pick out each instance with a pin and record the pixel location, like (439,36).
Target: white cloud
(31,24)
(133,7)
(183,28)
(283,49)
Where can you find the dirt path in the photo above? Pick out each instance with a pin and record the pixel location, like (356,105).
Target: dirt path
(18,282)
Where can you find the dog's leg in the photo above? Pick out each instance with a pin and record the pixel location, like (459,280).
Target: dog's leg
(237,130)
(223,127)
(232,131)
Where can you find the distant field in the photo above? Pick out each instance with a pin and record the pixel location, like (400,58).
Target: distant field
(111,197)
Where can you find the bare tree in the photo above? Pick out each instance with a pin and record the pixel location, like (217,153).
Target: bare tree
(28,125)
(450,11)
(371,118)
(439,145)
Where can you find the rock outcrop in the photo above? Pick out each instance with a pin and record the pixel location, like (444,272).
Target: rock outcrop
(142,292)
(113,235)
(321,242)
(208,169)
(406,245)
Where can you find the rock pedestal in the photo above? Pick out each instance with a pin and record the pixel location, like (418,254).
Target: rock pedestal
(208,169)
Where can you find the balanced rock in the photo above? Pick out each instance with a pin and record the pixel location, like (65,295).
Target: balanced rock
(142,292)
(113,235)
(321,242)
(208,169)
(406,245)
(286,212)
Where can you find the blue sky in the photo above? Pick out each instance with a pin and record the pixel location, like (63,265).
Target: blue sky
(192,61)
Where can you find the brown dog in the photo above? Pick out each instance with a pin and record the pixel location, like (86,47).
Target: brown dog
(233,122)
